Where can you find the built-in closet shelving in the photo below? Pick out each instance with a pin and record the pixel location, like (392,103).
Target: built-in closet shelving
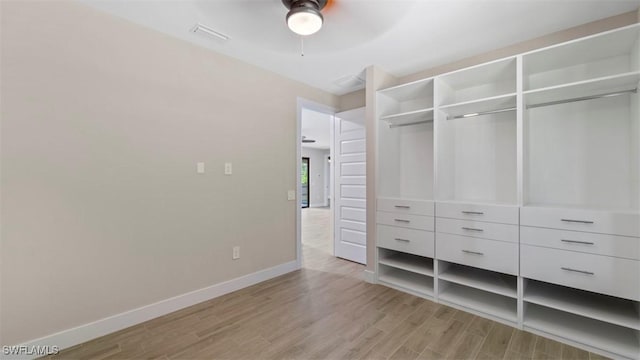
(405,209)
(511,190)
(580,234)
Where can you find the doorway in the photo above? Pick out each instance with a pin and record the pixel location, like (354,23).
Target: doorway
(304,182)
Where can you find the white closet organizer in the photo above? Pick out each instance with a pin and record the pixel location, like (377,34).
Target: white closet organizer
(476,212)
(405,209)
(580,233)
(536,217)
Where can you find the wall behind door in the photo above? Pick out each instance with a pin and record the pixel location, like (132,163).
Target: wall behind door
(317,176)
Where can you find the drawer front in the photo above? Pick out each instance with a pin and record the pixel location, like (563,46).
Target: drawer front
(478,212)
(600,244)
(417,242)
(626,224)
(485,230)
(485,254)
(419,222)
(597,273)
(416,207)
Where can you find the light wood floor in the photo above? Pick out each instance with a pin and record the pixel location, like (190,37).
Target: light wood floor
(324,311)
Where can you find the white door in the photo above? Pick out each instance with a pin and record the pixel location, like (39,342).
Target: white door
(350,186)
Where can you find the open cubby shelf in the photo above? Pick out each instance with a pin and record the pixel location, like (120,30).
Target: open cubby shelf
(408,280)
(497,283)
(601,307)
(489,303)
(408,262)
(590,332)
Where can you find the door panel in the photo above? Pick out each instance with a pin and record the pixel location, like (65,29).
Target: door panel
(350,184)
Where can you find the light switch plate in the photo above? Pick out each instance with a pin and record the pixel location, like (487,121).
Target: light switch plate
(291,195)
(200,168)
(228,170)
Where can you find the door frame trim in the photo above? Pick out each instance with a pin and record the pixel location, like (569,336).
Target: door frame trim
(303,103)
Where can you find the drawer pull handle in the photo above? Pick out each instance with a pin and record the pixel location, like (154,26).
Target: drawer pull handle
(577,242)
(471,229)
(472,252)
(578,271)
(473,212)
(402,220)
(400,239)
(577,221)
(402,206)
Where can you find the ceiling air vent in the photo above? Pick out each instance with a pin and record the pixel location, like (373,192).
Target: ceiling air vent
(350,82)
(207,31)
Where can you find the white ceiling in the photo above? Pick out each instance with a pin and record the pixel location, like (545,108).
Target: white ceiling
(316,126)
(400,36)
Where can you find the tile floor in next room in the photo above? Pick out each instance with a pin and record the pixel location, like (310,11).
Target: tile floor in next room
(323,311)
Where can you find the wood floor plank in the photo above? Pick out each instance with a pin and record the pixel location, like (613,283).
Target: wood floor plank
(496,342)
(323,311)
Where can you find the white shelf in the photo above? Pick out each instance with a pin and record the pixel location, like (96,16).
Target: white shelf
(490,281)
(478,106)
(602,85)
(410,91)
(407,280)
(408,262)
(601,307)
(486,302)
(409,117)
(594,333)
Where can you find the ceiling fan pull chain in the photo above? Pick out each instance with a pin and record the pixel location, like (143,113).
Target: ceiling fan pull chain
(301,46)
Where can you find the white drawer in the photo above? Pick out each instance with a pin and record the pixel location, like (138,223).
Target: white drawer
(417,242)
(485,230)
(485,254)
(626,224)
(478,212)
(419,222)
(403,206)
(597,273)
(610,245)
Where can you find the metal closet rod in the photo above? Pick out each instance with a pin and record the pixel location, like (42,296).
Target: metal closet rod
(583,98)
(411,123)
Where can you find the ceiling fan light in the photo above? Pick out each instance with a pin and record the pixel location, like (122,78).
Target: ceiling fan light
(304,20)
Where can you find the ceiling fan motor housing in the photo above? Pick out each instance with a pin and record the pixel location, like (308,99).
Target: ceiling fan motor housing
(298,6)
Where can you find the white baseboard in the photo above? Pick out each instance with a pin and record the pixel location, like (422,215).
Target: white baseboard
(369,276)
(86,332)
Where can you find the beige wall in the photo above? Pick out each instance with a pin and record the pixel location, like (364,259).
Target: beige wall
(378,79)
(102,123)
(352,100)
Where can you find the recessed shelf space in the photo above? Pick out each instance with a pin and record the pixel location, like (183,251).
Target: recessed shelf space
(477,159)
(599,56)
(479,82)
(605,308)
(407,280)
(494,282)
(594,333)
(406,98)
(408,262)
(583,154)
(583,90)
(409,118)
(489,303)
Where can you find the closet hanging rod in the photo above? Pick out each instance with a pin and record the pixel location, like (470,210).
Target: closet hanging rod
(481,113)
(411,123)
(583,98)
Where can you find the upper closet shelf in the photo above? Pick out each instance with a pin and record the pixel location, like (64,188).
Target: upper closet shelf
(491,105)
(410,91)
(583,90)
(409,118)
